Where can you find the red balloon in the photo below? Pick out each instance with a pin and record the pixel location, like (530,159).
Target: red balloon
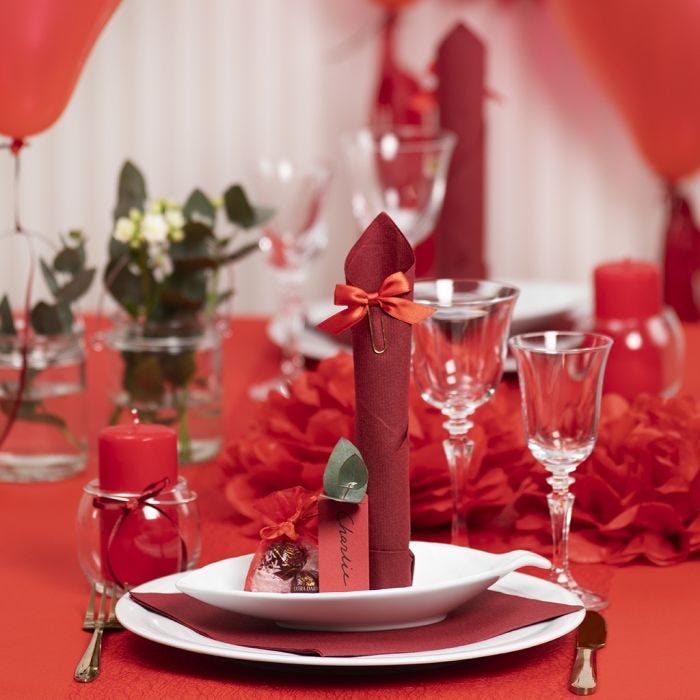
(646,54)
(43,46)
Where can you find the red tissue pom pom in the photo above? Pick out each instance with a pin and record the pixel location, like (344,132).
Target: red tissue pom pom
(637,496)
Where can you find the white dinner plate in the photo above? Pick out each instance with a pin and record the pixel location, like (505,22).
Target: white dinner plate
(540,302)
(162,630)
(445,576)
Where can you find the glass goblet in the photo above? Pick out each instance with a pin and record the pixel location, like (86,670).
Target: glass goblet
(561,381)
(291,241)
(403,172)
(458,356)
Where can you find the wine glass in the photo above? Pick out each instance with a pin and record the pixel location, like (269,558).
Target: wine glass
(291,240)
(403,172)
(458,356)
(561,380)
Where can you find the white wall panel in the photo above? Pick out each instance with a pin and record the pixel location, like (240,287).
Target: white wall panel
(195,90)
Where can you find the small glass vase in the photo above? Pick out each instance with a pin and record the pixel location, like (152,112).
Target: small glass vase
(170,373)
(131,538)
(44,401)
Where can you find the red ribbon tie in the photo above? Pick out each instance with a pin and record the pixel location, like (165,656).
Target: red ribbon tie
(388,298)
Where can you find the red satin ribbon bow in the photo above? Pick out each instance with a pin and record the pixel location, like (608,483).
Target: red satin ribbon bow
(388,299)
(306,509)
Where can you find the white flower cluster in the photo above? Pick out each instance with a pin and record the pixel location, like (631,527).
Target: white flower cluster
(153,230)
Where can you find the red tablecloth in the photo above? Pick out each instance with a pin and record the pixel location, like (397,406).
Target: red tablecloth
(653,618)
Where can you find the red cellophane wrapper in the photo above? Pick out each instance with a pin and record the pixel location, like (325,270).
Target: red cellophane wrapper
(286,560)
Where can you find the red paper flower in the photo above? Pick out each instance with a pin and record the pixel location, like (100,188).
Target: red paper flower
(637,496)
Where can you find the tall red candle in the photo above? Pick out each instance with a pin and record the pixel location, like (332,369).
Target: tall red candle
(627,297)
(137,544)
(133,456)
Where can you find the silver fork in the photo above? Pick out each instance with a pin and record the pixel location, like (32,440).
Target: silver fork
(89,665)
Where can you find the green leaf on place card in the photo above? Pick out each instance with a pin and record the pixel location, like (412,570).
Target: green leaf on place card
(199,208)
(241,212)
(48,276)
(76,287)
(7,323)
(345,477)
(131,193)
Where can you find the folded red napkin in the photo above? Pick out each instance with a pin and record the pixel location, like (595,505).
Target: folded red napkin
(485,616)
(459,234)
(381,395)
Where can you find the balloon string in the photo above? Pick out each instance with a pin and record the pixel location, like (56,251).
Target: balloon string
(15,146)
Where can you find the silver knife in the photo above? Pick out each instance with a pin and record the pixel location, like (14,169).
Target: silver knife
(590,635)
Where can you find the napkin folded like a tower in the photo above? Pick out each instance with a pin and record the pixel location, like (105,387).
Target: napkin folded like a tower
(459,234)
(381,395)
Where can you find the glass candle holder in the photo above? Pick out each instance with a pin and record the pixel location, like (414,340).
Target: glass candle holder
(647,350)
(130,538)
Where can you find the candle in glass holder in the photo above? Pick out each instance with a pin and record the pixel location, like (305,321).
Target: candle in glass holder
(139,542)
(647,348)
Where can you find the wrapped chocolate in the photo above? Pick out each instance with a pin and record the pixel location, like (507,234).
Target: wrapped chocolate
(286,559)
(305,582)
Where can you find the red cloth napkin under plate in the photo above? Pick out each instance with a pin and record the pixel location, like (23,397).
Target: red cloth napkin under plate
(488,615)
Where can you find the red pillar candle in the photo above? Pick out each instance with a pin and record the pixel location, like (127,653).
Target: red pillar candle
(143,543)
(628,305)
(133,456)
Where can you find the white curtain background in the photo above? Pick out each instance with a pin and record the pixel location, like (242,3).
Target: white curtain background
(195,90)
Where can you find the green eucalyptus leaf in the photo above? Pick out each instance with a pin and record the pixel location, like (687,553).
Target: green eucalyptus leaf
(124,285)
(70,260)
(76,287)
(46,319)
(48,276)
(7,323)
(117,249)
(241,212)
(186,287)
(131,192)
(66,316)
(221,297)
(345,477)
(196,231)
(199,208)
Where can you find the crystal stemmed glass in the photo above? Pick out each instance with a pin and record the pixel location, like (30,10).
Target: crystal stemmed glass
(291,241)
(458,356)
(561,380)
(402,172)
